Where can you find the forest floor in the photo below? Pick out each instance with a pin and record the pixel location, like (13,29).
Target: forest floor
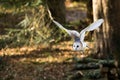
(52,62)
(39,62)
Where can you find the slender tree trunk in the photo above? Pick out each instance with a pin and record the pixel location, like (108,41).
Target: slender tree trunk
(57,8)
(89,16)
(89,11)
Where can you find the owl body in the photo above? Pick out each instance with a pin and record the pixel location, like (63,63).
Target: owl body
(79,46)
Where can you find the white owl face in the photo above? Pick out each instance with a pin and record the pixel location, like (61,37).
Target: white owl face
(77,46)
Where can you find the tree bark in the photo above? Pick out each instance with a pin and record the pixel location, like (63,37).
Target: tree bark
(109,34)
(89,11)
(103,35)
(114,22)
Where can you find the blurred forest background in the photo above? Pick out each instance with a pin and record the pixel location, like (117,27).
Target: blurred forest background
(33,48)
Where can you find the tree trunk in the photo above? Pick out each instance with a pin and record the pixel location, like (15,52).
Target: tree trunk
(114,21)
(89,11)
(57,8)
(103,36)
(109,34)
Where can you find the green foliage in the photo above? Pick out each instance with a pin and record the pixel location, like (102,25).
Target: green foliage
(20,3)
(35,26)
(33,29)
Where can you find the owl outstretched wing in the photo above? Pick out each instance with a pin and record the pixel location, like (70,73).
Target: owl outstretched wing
(72,33)
(91,27)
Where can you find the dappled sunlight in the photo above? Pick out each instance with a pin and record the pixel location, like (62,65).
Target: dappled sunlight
(74,4)
(40,62)
(35,63)
(58,53)
(33,46)
(16,51)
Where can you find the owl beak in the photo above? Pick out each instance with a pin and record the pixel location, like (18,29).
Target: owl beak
(76,48)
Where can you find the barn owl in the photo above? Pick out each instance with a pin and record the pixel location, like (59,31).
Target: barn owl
(79,43)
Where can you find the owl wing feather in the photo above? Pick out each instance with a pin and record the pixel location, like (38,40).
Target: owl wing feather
(72,33)
(91,27)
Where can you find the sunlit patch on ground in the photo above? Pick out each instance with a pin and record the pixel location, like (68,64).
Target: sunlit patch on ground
(57,53)
(36,63)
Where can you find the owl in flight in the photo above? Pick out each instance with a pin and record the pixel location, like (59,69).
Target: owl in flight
(79,43)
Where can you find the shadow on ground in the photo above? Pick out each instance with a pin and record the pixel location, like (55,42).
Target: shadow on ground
(40,64)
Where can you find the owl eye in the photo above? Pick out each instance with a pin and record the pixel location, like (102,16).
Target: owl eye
(77,45)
